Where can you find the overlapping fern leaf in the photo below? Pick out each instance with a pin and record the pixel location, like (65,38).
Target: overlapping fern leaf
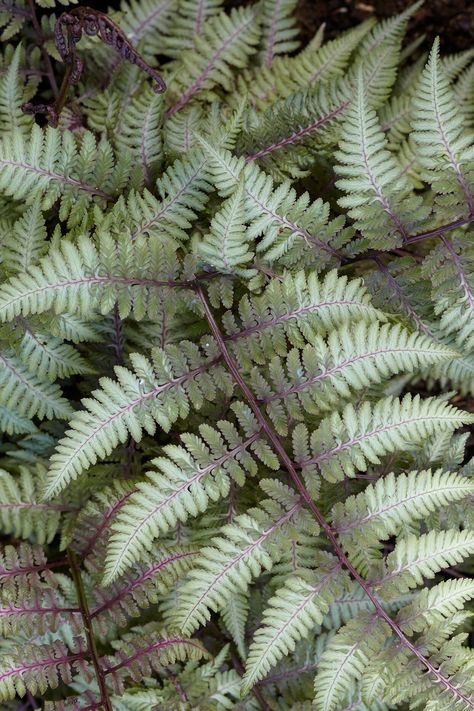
(236,363)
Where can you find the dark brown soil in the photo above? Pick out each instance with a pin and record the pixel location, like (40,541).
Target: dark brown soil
(453,20)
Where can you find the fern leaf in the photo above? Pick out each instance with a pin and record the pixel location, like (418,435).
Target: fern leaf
(441,139)
(241,553)
(26,394)
(26,243)
(22,560)
(346,443)
(279,30)
(184,188)
(35,668)
(21,512)
(432,605)
(44,607)
(449,266)
(416,558)
(391,29)
(146,22)
(225,247)
(292,613)
(143,587)
(383,508)
(87,532)
(321,64)
(50,358)
(181,486)
(158,391)
(345,659)
(234,616)
(297,308)
(13,92)
(148,649)
(285,227)
(140,133)
(227,41)
(354,357)
(12,423)
(49,165)
(187,22)
(379,199)
(86,277)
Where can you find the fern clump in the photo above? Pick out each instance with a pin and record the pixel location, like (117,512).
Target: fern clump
(236,362)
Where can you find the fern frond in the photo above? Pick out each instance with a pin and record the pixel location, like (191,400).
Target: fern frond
(348,442)
(285,227)
(184,189)
(12,423)
(26,242)
(383,508)
(226,246)
(299,307)
(379,199)
(432,605)
(181,130)
(299,124)
(140,133)
(86,277)
(292,613)
(182,484)
(321,64)
(245,548)
(51,165)
(156,391)
(39,605)
(389,506)
(188,21)
(143,586)
(464,93)
(12,20)
(227,41)
(88,531)
(26,394)
(354,357)
(148,649)
(442,139)
(145,22)
(234,616)
(391,29)
(35,668)
(345,659)
(21,512)
(416,558)
(22,560)
(279,30)
(50,358)
(450,267)
(454,64)
(13,92)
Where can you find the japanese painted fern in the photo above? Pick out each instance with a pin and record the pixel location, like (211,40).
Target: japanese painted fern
(236,366)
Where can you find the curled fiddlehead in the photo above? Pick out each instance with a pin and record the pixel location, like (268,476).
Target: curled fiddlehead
(68,32)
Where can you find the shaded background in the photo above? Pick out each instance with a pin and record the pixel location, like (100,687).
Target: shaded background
(453,20)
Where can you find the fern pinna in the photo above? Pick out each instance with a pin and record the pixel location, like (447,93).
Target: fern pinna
(236,363)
